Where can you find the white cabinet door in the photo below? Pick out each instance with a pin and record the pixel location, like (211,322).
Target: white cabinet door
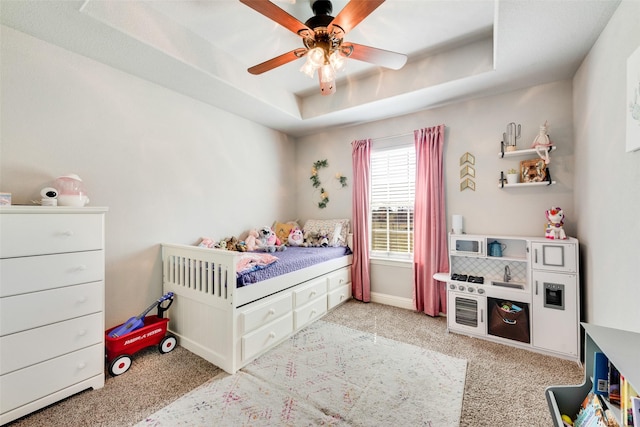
(555,312)
(554,256)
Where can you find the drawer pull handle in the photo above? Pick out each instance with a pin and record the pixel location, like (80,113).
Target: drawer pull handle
(272,334)
(82,365)
(82,299)
(67,233)
(82,332)
(313,312)
(341,297)
(81,267)
(341,281)
(272,312)
(313,293)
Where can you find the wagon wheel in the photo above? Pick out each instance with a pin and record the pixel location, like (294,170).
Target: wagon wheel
(167,344)
(120,365)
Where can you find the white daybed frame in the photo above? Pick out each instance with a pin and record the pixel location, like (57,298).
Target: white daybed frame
(231,326)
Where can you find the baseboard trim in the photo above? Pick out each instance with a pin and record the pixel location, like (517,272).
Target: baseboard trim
(406,303)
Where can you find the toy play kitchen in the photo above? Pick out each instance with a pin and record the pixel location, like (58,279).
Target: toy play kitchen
(521,291)
(137,333)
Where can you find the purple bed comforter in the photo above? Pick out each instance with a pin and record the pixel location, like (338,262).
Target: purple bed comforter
(292,259)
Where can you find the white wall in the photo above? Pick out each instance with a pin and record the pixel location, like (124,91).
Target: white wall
(607,197)
(475,126)
(169,168)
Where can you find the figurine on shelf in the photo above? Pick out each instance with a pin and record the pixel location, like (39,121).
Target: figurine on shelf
(542,143)
(555,222)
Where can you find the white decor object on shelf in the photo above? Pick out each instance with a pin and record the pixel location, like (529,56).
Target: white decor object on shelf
(457,224)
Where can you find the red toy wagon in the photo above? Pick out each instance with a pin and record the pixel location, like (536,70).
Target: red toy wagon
(138,333)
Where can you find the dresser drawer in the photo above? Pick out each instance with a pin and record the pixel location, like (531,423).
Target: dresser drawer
(22,312)
(36,273)
(26,348)
(309,292)
(267,336)
(339,278)
(309,313)
(36,234)
(339,295)
(26,385)
(265,312)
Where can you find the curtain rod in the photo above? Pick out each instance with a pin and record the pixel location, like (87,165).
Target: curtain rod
(382,138)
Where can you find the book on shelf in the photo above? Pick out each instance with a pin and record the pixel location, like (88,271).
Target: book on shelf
(627,395)
(614,385)
(593,413)
(600,374)
(635,409)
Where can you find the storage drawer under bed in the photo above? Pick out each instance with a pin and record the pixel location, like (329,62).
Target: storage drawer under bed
(339,278)
(253,317)
(266,337)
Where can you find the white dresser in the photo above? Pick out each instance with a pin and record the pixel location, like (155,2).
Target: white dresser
(51,305)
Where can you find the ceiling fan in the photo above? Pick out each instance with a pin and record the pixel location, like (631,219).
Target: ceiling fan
(322,36)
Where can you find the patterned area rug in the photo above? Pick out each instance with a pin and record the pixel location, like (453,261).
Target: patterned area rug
(328,374)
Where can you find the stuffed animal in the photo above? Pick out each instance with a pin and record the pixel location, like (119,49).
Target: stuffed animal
(206,242)
(555,221)
(231,243)
(268,241)
(251,242)
(542,144)
(315,240)
(296,238)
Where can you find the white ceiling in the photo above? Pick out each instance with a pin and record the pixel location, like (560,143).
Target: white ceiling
(457,49)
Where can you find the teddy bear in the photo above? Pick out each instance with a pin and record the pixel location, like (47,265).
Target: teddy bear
(251,241)
(267,240)
(296,237)
(231,243)
(555,222)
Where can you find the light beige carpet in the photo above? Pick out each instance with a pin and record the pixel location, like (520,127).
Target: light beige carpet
(328,374)
(504,386)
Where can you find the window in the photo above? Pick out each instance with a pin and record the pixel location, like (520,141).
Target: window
(393,173)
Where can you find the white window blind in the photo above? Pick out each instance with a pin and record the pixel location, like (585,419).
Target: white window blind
(393,172)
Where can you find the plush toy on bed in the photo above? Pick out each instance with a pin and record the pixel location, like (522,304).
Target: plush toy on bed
(555,222)
(315,240)
(206,242)
(251,241)
(267,240)
(296,238)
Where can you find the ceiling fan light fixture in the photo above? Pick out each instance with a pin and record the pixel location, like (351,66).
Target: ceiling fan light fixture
(316,57)
(327,73)
(308,69)
(337,60)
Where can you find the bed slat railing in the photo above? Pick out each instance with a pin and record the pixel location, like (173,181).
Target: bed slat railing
(205,271)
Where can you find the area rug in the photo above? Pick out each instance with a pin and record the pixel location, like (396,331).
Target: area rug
(328,374)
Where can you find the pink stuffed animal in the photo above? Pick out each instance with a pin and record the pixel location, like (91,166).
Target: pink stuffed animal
(207,243)
(296,237)
(251,241)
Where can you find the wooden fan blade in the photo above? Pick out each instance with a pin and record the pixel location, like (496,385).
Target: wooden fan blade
(384,58)
(352,14)
(272,63)
(278,15)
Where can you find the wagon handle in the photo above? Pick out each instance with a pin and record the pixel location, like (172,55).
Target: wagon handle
(161,309)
